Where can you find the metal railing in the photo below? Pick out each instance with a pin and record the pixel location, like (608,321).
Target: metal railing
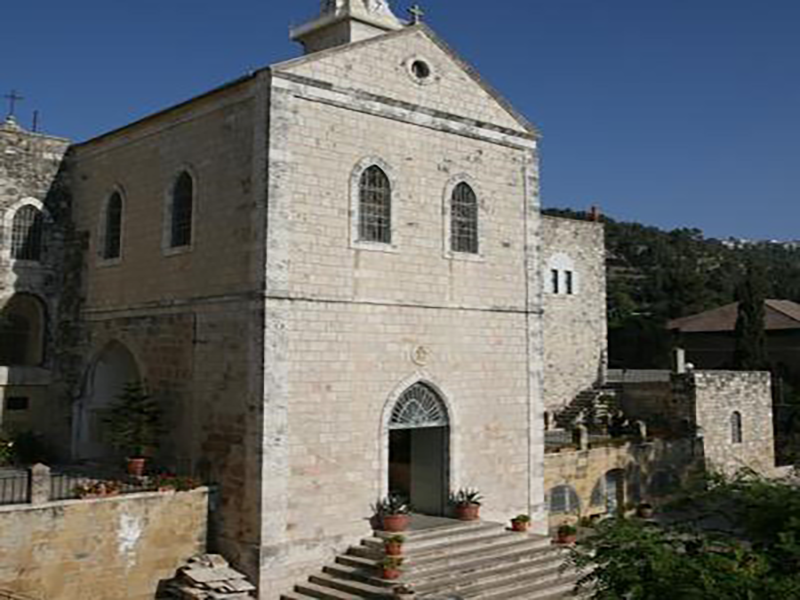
(14,487)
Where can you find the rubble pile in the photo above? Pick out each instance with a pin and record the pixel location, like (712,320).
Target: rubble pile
(207,577)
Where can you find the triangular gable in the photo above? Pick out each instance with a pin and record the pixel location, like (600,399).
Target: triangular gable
(379,65)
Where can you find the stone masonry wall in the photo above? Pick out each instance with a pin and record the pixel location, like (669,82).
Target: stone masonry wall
(351,326)
(105,549)
(192,317)
(30,164)
(575,334)
(718,394)
(646,467)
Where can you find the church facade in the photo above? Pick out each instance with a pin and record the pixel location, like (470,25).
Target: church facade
(334,275)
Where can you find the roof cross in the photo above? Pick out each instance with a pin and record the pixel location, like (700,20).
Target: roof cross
(416,14)
(12,98)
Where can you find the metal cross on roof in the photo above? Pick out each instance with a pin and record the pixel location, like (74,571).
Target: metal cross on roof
(12,98)
(416,14)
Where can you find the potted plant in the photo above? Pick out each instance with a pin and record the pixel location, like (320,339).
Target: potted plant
(645,510)
(520,523)
(467,504)
(403,591)
(566,534)
(391,567)
(393,512)
(134,425)
(393,546)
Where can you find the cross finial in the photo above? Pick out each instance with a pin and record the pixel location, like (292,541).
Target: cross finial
(416,14)
(12,98)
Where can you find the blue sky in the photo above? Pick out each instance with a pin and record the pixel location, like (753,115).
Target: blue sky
(668,112)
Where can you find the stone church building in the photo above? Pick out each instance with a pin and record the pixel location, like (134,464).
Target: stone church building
(333,274)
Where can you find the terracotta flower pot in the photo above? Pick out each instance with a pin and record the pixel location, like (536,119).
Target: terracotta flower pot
(395,523)
(645,512)
(390,573)
(136,466)
(521,526)
(467,512)
(567,538)
(393,548)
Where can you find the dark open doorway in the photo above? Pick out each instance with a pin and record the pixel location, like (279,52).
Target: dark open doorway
(419,450)
(418,467)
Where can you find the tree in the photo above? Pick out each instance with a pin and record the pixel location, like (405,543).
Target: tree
(134,421)
(752,553)
(750,347)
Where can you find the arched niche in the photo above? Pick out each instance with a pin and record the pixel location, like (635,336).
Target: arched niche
(111,370)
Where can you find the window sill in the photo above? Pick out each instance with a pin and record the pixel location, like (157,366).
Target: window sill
(375,247)
(464,256)
(177,250)
(104,263)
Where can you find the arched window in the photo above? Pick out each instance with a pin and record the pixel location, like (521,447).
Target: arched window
(419,406)
(736,427)
(112,242)
(375,207)
(22,331)
(464,220)
(181,211)
(564,499)
(26,234)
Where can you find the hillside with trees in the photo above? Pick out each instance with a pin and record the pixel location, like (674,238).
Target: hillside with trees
(656,275)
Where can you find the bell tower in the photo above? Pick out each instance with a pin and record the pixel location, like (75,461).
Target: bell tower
(344,22)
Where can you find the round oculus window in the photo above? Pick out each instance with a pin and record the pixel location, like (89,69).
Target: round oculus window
(421,69)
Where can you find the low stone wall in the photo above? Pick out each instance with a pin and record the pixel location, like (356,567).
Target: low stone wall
(647,471)
(114,548)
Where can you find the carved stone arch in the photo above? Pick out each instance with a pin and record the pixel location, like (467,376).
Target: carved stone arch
(446,399)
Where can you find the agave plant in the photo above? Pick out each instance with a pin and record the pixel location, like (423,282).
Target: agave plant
(393,504)
(467,497)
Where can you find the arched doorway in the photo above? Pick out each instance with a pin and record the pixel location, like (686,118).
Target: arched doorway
(419,449)
(22,329)
(114,367)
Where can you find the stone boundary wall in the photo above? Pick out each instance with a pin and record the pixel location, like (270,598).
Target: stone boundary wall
(113,548)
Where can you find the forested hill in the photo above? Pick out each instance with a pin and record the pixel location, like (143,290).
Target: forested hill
(656,275)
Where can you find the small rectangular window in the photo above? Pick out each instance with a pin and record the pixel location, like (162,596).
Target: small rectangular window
(568,282)
(554,281)
(17,403)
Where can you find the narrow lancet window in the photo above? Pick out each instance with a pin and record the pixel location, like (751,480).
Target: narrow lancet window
(464,220)
(181,211)
(112,246)
(375,207)
(26,234)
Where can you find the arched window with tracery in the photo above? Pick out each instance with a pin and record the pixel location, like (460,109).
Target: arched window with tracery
(22,328)
(419,407)
(27,229)
(375,206)
(464,219)
(736,427)
(181,211)
(112,242)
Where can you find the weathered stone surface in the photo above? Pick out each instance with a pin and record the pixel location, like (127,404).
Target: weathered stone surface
(105,549)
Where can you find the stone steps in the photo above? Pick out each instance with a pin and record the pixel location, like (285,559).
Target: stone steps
(480,561)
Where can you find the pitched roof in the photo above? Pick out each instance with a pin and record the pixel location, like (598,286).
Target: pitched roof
(778,315)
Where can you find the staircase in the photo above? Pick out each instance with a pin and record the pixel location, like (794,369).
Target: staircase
(456,561)
(591,406)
